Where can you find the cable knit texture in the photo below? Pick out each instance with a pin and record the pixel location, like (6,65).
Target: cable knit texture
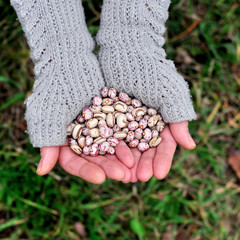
(131,37)
(67,73)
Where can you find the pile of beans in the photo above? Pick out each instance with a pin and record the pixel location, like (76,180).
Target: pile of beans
(113,117)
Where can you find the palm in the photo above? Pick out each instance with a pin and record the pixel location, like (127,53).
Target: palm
(91,169)
(157,161)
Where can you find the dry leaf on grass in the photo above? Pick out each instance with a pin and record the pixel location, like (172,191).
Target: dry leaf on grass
(182,235)
(234,162)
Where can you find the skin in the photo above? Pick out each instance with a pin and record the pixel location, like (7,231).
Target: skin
(126,165)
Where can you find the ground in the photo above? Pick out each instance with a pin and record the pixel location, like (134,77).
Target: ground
(199,199)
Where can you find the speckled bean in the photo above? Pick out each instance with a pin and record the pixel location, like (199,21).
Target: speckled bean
(133,143)
(111,151)
(104,92)
(120,135)
(123,97)
(104,147)
(155,133)
(70,128)
(97,101)
(85,131)
(94,132)
(152,121)
(112,92)
(136,103)
(154,142)
(133,125)
(142,146)
(138,133)
(77,130)
(76,149)
(81,141)
(151,111)
(130,109)
(92,123)
(107,101)
(160,126)
(116,128)
(143,123)
(80,118)
(147,134)
(87,113)
(130,136)
(113,141)
(104,132)
(129,116)
(86,150)
(94,150)
(88,140)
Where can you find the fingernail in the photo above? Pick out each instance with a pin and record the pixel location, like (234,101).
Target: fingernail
(39,167)
(43,154)
(191,140)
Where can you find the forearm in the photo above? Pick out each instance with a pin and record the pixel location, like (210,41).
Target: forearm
(131,38)
(67,73)
(133,22)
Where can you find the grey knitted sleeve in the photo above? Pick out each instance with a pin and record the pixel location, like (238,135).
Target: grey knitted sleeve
(131,37)
(67,73)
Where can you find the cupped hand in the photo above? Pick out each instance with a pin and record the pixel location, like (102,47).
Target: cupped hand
(71,163)
(127,164)
(157,161)
(91,169)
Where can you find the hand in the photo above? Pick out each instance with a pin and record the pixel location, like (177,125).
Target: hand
(158,161)
(91,169)
(126,164)
(116,166)
(124,155)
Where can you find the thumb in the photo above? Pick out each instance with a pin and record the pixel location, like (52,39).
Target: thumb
(49,157)
(181,134)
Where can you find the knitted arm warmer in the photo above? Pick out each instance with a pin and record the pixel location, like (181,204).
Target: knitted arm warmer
(133,60)
(67,73)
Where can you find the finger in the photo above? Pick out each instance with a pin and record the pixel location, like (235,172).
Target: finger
(80,167)
(112,169)
(145,167)
(127,177)
(49,157)
(181,134)
(164,154)
(137,155)
(124,154)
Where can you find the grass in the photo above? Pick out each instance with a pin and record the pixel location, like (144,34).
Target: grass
(200,197)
